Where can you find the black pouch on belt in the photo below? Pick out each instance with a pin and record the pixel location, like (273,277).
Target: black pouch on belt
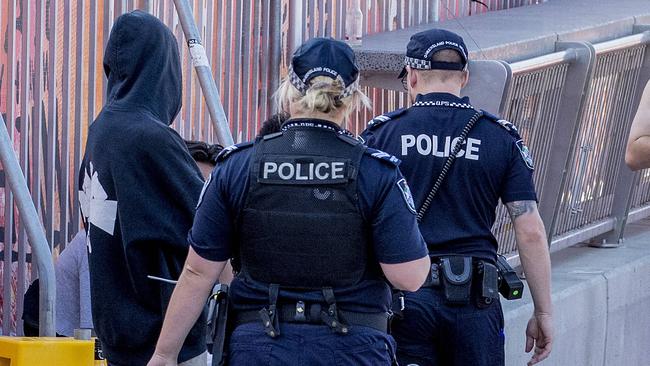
(456,279)
(488,277)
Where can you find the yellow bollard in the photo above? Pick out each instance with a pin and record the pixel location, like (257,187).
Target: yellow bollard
(46,351)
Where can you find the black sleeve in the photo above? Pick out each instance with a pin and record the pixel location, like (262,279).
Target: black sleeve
(158,185)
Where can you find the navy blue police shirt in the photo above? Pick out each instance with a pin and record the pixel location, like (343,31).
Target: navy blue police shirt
(384,201)
(493,164)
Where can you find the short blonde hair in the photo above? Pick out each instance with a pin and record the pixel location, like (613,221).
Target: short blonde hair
(323,96)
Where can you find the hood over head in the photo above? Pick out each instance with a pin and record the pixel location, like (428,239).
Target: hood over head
(142,64)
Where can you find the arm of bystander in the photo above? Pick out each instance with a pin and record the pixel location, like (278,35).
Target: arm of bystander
(637,154)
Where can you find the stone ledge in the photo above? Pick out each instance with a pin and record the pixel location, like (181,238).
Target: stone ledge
(516,34)
(600,298)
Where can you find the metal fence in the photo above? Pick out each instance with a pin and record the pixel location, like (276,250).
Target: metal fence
(52,86)
(533,104)
(574,108)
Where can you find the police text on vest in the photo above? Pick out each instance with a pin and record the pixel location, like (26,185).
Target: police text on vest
(304,171)
(439,146)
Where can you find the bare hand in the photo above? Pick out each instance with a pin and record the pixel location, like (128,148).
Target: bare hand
(159,360)
(539,333)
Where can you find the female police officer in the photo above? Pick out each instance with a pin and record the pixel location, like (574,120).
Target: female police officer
(317,223)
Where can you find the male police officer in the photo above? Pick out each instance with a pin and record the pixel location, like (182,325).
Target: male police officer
(459,321)
(318,222)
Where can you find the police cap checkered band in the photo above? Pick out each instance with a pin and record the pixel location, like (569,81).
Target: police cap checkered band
(295,80)
(424,45)
(324,57)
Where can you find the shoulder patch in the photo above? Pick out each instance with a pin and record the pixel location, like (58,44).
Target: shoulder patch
(406,195)
(378,154)
(381,119)
(514,132)
(231,149)
(525,154)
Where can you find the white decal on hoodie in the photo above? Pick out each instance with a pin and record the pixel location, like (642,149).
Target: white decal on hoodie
(97,209)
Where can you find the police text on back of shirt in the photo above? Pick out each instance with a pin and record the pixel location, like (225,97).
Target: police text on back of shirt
(432,145)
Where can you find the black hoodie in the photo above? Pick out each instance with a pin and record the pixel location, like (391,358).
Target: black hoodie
(138,190)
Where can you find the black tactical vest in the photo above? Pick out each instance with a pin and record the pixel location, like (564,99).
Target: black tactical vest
(301,226)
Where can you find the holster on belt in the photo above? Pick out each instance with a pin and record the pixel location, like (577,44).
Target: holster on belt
(456,275)
(218,323)
(488,278)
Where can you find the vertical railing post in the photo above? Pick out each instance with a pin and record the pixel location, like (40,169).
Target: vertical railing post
(145,5)
(564,136)
(8,237)
(275,42)
(294,39)
(354,23)
(41,254)
(204,72)
(626,181)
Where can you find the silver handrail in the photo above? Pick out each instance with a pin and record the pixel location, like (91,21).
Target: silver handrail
(624,42)
(543,62)
(41,253)
(204,73)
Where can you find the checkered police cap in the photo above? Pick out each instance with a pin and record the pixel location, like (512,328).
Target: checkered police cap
(424,45)
(324,57)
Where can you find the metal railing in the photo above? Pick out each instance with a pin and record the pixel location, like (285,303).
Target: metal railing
(574,108)
(40,250)
(533,104)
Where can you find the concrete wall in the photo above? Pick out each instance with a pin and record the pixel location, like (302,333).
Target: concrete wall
(602,306)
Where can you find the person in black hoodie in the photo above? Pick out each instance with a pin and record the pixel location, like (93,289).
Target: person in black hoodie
(139,187)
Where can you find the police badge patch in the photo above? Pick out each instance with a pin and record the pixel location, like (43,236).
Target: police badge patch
(525,154)
(406,194)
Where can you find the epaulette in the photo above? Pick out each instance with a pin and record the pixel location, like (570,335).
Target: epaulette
(514,132)
(507,125)
(381,119)
(378,154)
(233,148)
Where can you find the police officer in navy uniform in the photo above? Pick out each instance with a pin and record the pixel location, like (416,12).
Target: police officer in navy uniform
(319,226)
(457,319)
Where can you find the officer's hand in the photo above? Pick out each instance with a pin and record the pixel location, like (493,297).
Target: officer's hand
(159,360)
(539,333)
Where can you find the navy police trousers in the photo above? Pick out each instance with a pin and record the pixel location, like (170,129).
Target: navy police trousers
(432,333)
(308,344)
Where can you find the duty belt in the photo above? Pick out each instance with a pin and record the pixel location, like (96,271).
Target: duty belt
(462,278)
(313,314)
